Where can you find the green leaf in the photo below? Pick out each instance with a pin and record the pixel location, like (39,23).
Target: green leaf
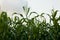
(21,15)
(33,12)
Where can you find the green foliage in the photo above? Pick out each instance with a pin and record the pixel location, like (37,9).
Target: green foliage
(29,29)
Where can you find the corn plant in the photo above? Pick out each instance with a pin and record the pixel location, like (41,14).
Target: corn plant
(29,29)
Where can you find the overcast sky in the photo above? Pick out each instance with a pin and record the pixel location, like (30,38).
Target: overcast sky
(44,5)
(36,5)
(12,5)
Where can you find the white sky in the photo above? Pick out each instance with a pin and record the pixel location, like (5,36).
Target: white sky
(44,5)
(36,5)
(12,5)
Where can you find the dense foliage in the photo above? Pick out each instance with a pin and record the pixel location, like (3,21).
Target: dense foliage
(29,29)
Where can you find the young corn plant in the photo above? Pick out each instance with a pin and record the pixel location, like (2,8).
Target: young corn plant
(29,29)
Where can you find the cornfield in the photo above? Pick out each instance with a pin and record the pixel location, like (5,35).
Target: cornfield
(29,29)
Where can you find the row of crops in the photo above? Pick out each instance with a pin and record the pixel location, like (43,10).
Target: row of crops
(29,29)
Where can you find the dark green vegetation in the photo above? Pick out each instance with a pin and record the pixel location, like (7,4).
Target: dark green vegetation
(32,29)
